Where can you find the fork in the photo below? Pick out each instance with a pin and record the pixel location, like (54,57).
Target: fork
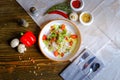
(82,59)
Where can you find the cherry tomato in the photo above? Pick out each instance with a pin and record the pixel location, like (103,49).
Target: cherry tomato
(56,53)
(44,37)
(73,36)
(62,26)
(62,54)
(71,43)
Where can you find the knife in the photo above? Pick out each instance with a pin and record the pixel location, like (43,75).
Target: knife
(88,62)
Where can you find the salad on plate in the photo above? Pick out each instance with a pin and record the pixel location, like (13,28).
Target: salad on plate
(59,40)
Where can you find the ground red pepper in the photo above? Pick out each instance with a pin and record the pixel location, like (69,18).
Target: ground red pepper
(76,3)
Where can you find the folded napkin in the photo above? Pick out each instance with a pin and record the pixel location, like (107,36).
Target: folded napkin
(75,70)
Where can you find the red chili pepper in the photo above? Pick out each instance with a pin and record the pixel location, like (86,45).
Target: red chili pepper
(28,39)
(59,12)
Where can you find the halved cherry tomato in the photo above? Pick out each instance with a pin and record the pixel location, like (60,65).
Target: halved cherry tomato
(28,39)
(53,40)
(44,37)
(66,38)
(56,53)
(71,43)
(73,36)
(62,54)
(63,26)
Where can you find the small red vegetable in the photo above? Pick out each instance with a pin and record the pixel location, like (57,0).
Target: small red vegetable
(28,39)
(56,53)
(59,12)
(44,37)
(73,36)
(63,26)
(53,40)
(62,54)
(71,43)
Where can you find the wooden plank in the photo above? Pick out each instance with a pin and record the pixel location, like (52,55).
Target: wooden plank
(32,65)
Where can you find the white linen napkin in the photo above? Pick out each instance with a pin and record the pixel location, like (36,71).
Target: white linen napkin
(74,71)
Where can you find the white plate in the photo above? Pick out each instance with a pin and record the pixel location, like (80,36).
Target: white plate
(70,27)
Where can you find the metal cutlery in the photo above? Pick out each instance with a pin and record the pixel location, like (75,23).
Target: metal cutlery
(84,56)
(76,70)
(94,67)
(88,62)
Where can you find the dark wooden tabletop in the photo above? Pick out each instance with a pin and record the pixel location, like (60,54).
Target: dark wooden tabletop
(32,65)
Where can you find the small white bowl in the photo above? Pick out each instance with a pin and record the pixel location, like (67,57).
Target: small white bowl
(77,9)
(86,18)
(73,16)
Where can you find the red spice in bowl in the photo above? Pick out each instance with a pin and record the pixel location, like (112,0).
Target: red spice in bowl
(76,3)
